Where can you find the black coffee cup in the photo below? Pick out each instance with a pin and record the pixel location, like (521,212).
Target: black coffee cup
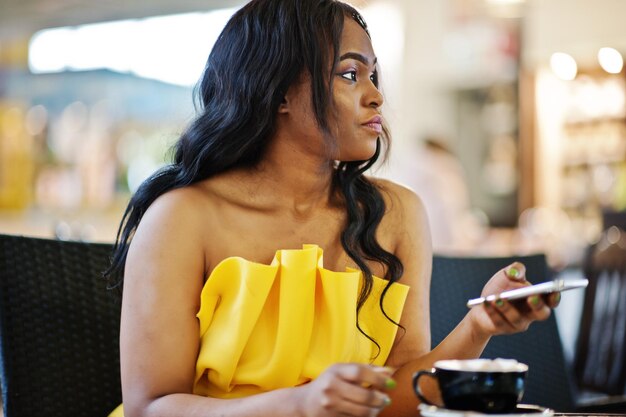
(483,385)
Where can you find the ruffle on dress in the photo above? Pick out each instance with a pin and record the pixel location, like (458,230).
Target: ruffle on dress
(265,327)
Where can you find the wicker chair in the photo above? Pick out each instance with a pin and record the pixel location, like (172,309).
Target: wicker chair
(59,329)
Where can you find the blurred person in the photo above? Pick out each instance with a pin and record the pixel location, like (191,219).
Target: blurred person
(229,307)
(436,175)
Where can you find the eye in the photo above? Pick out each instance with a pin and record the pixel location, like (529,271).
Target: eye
(349,75)
(374,78)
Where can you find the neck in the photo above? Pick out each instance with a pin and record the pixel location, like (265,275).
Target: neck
(294,179)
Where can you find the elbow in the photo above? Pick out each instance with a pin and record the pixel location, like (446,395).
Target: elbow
(138,407)
(134,410)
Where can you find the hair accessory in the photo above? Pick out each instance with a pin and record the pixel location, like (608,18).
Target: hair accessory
(359,19)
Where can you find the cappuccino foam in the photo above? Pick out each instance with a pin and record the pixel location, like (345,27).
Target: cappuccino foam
(482,365)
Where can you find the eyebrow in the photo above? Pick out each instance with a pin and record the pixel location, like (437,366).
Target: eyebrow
(359,57)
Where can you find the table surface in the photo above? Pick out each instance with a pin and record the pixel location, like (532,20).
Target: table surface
(587,414)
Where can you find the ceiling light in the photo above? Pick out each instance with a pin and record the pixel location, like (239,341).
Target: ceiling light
(564,66)
(610,60)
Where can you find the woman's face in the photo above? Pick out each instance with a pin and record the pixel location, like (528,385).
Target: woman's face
(356,122)
(354,118)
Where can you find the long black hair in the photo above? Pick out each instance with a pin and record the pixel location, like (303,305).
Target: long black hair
(264,48)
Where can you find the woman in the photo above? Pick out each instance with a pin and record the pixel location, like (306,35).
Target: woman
(225,312)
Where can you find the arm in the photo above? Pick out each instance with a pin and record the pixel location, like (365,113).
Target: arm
(411,351)
(163,279)
(159,336)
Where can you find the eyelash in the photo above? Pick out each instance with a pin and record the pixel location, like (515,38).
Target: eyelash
(353,76)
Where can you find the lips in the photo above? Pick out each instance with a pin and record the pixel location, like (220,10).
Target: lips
(375,124)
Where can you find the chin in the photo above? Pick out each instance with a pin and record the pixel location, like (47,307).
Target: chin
(353,156)
(356,147)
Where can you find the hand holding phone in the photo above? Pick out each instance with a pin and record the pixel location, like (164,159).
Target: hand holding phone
(558,285)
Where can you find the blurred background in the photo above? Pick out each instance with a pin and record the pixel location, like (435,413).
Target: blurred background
(508,116)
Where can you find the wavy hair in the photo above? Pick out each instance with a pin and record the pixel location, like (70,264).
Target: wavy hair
(262,51)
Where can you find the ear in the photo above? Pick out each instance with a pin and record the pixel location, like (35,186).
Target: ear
(284,106)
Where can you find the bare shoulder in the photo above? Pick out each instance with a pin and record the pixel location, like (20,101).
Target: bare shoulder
(173,223)
(405,226)
(174,210)
(188,199)
(402,203)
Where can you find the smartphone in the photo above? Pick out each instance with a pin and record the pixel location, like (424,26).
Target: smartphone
(543,288)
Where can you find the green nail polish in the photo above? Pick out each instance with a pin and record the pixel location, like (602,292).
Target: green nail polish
(557,298)
(534,300)
(387,401)
(390,383)
(513,272)
(499,303)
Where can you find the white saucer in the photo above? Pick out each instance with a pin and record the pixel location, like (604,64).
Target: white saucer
(523,410)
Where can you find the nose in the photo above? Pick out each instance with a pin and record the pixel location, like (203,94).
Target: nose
(373,97)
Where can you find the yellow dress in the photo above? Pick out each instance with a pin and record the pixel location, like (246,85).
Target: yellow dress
(264,327)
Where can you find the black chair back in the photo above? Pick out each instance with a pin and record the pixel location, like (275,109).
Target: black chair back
(600,359)
(455,280)
(59,329)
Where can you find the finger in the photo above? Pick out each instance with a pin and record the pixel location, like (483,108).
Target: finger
(538,308)
(554,299)
(342,407)
(516,320)
(387,372)
(516,272)
(535,302)
(500,325)
(347,408)
(361,395)
(354,400)
(367,375)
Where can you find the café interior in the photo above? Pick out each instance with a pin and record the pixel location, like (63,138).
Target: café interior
(508,119)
